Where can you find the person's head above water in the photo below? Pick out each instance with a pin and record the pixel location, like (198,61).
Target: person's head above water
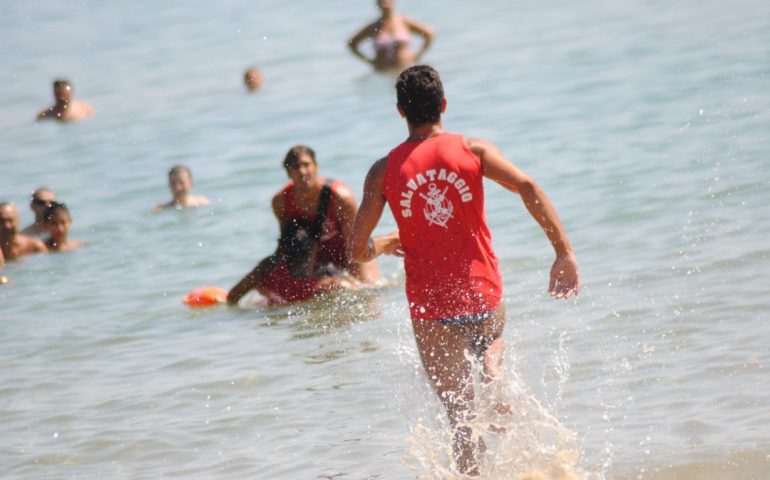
(420,95)
(253,79)
(179,180)
(57,220)
(40,200)
(9,220)
(62,91)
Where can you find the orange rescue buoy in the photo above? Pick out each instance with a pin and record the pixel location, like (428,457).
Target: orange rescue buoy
(205,297)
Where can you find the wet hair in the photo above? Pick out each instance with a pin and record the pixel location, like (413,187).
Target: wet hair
(291,160)
(55,208)
(420,93)
(177,169)
(59,83)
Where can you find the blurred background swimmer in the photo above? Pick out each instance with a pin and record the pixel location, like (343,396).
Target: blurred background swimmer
(253,79)
(66,108)
(57,224)
(391,35)
(180,183)
(13,243)
(39,203)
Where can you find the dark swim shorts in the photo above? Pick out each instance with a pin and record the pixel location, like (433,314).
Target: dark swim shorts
(467,319)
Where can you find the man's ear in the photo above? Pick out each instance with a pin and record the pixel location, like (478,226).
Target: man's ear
(401,111)
(443,105)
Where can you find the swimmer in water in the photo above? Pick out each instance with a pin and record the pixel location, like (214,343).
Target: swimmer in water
(433,184)
(57,224)
(180,183)
(391,35)
(12,243)
(66,108)
(307,261)
(40,201)
(252,78)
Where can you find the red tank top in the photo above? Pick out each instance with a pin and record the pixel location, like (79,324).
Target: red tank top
(331,248)
(434,189)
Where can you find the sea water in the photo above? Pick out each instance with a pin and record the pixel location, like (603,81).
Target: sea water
(645,122)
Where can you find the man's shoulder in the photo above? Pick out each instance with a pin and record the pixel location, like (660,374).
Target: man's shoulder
(29,243)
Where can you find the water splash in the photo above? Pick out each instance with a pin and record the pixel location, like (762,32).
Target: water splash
(517,437)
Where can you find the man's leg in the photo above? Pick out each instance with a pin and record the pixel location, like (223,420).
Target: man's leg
(488,343)
(443,352)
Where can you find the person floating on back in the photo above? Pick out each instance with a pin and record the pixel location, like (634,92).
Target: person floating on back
(391,36)
(314,216)
(66,108)
(57,224)
(432,183)
(40,201)
(180,183)
(12,243)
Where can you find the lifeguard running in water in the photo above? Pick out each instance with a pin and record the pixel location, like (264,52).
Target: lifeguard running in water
(315,216)
(391,35)
(433,184)
(66,108)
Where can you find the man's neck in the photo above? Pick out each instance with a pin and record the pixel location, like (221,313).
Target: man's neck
(180,199)
(424,131)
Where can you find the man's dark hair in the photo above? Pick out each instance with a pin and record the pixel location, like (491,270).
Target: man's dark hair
(419,92)
(177,169)
(291,160)
(58,83)
(55,208)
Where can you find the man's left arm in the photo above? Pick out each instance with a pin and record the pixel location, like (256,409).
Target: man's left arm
(564,278)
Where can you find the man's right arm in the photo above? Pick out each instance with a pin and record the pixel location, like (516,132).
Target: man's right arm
(361,247)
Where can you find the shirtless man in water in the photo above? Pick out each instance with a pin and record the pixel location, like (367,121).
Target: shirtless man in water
(180,184)
(42,198)
(433,185)
(66,108)
(13,243)
(291,274)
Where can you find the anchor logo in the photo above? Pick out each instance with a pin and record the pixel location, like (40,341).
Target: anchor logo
(438,210)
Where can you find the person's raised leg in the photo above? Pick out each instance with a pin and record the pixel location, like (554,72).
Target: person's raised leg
(443,352)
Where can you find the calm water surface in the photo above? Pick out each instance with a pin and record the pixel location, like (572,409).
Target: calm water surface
(646,122)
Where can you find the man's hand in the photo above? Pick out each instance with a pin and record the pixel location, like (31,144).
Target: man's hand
(390,245)
(565,280)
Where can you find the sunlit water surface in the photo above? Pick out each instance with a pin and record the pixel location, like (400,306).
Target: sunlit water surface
(646,122)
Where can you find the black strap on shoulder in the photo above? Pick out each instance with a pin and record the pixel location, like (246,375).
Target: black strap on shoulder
(323,208)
